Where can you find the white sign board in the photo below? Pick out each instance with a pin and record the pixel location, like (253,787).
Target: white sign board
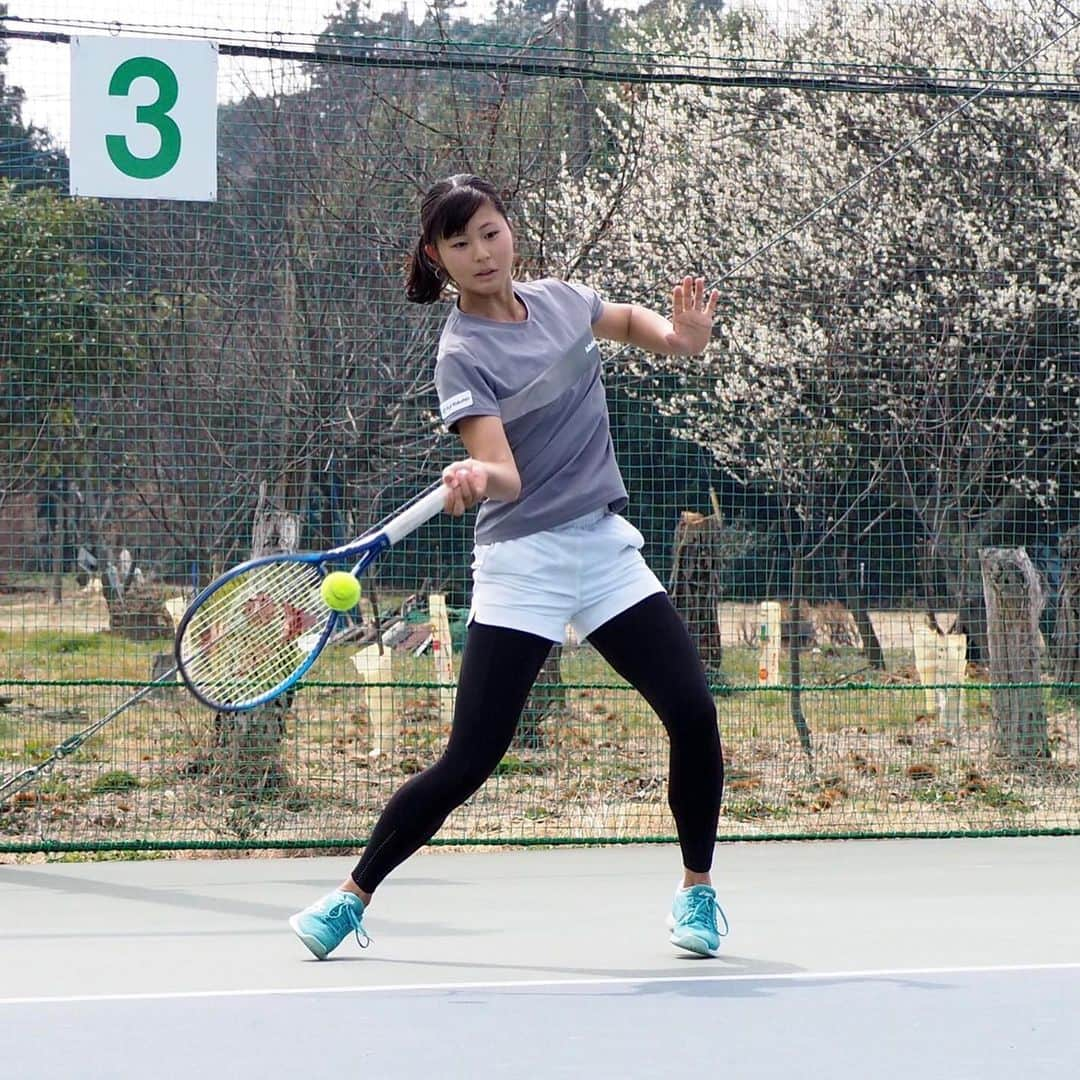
(143,118)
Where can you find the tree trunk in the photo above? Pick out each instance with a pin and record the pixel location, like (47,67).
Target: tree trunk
(951,565)
(855,602)
(971,620)
(580,110)
(246,758)
(795,648)
(59,537)
(138,611)
(136,605)
(1067,625)
(695,583)
(1014,601)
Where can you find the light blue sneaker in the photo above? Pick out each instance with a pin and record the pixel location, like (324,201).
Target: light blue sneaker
(693,920)
(324,925)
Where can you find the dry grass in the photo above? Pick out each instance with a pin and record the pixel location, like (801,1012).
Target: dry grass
(158,774)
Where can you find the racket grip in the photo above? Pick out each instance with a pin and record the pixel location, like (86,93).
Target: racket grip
(411,518)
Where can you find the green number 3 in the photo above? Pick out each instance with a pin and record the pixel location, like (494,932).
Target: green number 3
(155,114)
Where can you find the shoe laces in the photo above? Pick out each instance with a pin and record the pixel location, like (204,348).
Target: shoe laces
(702,906)
(343,908)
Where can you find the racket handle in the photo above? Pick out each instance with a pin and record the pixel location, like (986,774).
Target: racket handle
(411,518)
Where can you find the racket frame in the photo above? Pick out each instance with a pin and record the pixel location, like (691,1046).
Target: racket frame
(361,552)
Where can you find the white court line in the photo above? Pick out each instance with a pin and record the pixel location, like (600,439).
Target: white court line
(534,984)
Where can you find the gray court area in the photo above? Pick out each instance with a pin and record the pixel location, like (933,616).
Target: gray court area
(873,959)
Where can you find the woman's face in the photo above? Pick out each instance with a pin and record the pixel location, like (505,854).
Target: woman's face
(480,259)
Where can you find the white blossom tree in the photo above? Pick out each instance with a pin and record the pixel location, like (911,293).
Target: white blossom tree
(916,343)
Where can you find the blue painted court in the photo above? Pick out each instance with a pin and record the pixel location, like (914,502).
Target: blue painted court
(938,958)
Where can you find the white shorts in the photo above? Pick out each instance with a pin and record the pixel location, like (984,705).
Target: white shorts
(582,573)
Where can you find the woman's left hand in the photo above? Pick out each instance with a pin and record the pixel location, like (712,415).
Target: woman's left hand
(691,316)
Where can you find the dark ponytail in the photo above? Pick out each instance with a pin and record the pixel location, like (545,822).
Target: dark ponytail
(426,279)
(446,209)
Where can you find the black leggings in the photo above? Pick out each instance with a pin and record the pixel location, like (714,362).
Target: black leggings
(648,645)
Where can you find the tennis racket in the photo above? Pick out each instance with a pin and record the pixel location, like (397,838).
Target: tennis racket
(253,633)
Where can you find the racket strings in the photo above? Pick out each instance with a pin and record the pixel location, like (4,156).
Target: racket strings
(254,632)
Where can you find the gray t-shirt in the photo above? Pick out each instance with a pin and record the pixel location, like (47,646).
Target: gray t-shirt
(542,378)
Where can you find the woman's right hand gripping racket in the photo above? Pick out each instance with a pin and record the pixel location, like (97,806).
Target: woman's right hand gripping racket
(253,633)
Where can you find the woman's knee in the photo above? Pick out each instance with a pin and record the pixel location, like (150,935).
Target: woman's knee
(692,713)
(695,742)
(459,776)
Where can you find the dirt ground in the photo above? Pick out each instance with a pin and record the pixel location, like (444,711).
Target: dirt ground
(154,779)
(84,611)
(739,624)
(882,762)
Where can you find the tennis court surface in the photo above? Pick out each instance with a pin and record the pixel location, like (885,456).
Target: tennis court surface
(872,959)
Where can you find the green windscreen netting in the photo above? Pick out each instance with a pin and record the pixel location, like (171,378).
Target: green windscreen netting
(862,498)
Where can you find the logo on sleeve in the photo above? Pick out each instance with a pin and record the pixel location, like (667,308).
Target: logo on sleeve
(455,404)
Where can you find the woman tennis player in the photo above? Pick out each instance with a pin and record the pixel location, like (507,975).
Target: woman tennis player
(518,378)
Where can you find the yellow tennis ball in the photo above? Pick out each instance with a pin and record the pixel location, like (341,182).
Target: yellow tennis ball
(340,591)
